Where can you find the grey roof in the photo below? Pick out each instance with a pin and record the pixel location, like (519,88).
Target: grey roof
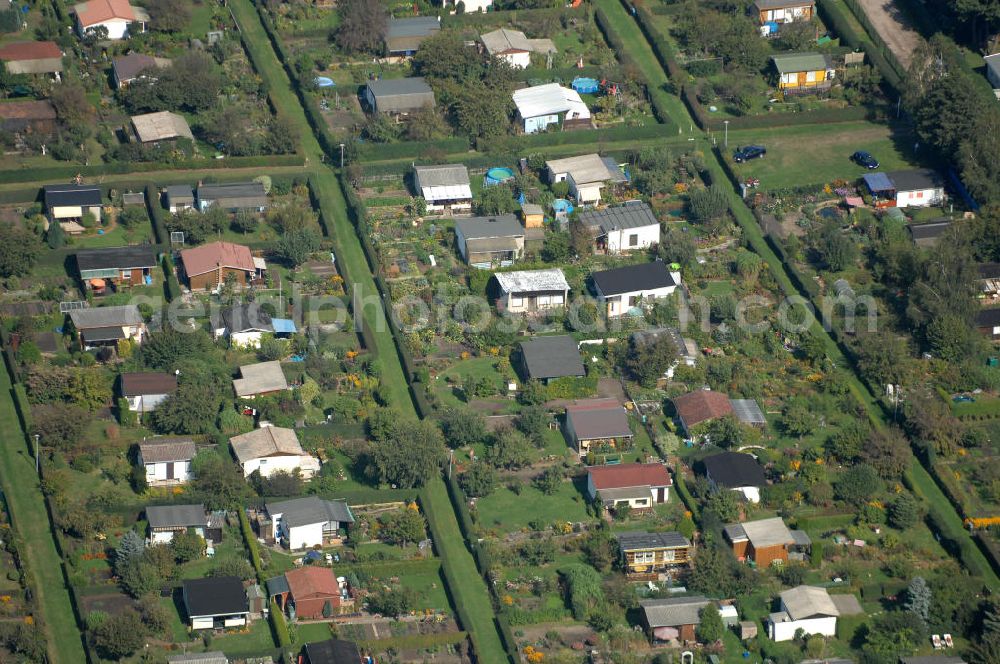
(180,193)
(762,533)
(128,67)
(801,538)
(167,449)
(104,317)
(214,657)
(993,64)
(259,378)
(609,496)
(391,87)
(915,179)
(642,337)
(928,231)
(639,540)
(442,176)
(631,215)
(532,281)
(266,442)
(313,509)
(804,602)
(71,195)
(116,257)
(674,611)
(237,194)
(413,26)
(505,40)
(747,411)
(779,4)
(504,225)
(847,605)
(246,317)
(176,516)
(598,420)
(552,357)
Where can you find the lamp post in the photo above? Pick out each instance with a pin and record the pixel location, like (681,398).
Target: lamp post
(725,140)
(341,155)
(37,468)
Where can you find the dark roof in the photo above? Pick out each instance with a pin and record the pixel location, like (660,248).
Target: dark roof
(630,215)
(176,516)
(929,230)
(128,67)
(700,406)
(277,585)
(641,277)
(73,195)
(916,179)
(215,596)
(239,191)
(732,470)
(413,26)
(246,317)
(167,449)
(180,193)
(390,87)
(153,382)
(310,510)
(989,270)
(932,659)
(333,651)
(503,225)
(988,318)
(878,182)
(780,4)
(598,418)
(552,357)
(639,540)
(116,257)
(102,333)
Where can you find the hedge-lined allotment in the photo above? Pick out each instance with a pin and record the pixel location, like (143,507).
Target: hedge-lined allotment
(832,14)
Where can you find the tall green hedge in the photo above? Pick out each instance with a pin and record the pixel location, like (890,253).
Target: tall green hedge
(279,626)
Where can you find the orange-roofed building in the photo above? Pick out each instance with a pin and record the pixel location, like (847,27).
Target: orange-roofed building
(118,17)
(207,267)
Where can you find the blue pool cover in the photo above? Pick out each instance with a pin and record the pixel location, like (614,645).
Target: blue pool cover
(585,85)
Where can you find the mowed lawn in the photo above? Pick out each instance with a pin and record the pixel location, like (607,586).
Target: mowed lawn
(820,154)
(506,511)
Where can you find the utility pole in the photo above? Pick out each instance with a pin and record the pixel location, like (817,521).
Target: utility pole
(341,155)
(37,466)
(725,140)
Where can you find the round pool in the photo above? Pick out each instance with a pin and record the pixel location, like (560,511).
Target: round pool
(585,85)
(497,175)
(561,205)
(324,82)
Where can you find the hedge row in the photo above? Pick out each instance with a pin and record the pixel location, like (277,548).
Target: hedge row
(123,168)
(279,626)
(399,568)
(661,46)
(835,17)
(414,641)
(479,19)
(567,74)
(692,505)
(988,545)
(251,541)
(384,151)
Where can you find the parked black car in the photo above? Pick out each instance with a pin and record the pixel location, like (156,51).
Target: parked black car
(862,158)
(749,152)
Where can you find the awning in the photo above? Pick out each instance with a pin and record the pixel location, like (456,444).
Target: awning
(854,201)
(97,283)
(283,326)
(666,633)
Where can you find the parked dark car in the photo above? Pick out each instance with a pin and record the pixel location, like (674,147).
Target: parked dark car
(749,152)
(862,158)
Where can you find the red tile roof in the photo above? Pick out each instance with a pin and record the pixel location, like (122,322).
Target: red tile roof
(209,257)
(627,475)
(701,406)
(310,580)
(98,11)
(33,50)
(27,110)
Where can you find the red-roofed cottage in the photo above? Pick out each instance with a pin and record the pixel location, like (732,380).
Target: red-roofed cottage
(116,16)
(310,593)
(639,485)
(33,57)
(700,406)
(207,267)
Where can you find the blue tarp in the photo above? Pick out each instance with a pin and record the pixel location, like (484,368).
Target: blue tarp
(878,182)
(283,326)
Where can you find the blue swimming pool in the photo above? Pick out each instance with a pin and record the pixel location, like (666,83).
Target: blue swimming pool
(497,175)
(324,82)
(585,85)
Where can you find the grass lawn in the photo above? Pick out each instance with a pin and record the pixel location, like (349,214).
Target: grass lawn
(828,156)
(27,507)
(116,237)
(312,632)
(257,640)
(642,53)
(507,511)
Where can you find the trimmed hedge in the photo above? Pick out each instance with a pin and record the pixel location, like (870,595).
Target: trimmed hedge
(279,627)
(385,151)
(692,505)
(834,16)
(480,19)
(156,213)
(171,288)
(251,541)
(22,406)
(124,168)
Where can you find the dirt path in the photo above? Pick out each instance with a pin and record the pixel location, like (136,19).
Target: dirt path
(893,27)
